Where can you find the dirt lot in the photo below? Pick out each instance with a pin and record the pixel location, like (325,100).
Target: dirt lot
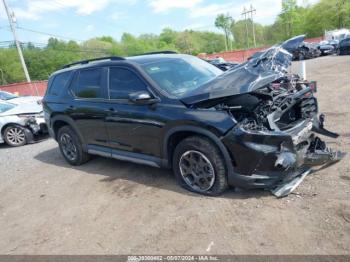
(113,207)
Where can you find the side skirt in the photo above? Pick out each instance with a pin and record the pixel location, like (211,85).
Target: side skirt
(127,156)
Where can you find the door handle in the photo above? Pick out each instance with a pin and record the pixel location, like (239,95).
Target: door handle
(71,107)
(111,110)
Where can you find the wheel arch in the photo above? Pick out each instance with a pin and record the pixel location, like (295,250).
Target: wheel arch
(3,128)
(59,121)
(177,134)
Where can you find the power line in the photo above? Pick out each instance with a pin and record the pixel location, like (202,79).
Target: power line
(44,46)
(49,34)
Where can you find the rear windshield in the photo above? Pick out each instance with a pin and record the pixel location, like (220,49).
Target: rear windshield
(178,76)
(5,107)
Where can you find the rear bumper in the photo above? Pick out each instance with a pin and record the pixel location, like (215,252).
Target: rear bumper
(269,159)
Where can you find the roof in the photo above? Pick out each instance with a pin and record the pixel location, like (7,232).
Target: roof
(108,61)
(145,59)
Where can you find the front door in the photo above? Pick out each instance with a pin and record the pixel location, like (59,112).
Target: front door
(131,127)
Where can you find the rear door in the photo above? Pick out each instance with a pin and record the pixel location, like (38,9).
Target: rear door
(88,107)
(131,127)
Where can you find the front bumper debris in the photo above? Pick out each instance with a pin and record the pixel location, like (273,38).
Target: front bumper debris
(36,127)
(287,188)
(278,161)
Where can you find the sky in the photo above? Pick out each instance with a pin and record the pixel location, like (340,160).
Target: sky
(83,19)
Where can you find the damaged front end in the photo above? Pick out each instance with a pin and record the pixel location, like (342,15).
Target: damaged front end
(35,126)
(275,142)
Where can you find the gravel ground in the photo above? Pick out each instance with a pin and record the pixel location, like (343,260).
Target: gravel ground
(112,207)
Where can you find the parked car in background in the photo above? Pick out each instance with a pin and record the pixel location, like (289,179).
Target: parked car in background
(306,51)
(338,34)
(21,124)
(14,99)
(222,63)
(255,126)
(344,47)
(326,48)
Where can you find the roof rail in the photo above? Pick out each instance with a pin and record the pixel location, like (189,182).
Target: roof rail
(112,58)
(166,52)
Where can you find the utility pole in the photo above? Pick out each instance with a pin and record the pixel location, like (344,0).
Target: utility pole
(2,77)
(246,13)
(11,18)
(253,10)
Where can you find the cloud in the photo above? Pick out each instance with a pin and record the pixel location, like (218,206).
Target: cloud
(212,10)
(89,28)
(35,8)
(160,6)
(117,16)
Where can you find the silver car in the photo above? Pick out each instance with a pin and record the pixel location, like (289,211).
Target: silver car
(21,124)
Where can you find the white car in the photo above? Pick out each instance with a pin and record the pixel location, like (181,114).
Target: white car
(20,124)
(13,99)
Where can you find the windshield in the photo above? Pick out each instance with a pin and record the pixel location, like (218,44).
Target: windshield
(5,107)
(178,76)
(7,96)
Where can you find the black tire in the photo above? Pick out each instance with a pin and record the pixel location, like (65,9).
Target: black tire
(15,136)
(77,156)
(203,147)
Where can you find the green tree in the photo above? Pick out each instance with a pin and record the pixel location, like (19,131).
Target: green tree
(224,22)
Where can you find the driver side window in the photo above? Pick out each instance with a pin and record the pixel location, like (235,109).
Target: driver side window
(122,82)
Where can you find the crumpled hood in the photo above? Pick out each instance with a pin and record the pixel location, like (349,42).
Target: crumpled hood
(262,69)
(28,108)
(25,99)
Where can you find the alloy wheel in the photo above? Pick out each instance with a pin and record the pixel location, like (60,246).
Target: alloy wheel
(16,136)
(197,170)
(68,147)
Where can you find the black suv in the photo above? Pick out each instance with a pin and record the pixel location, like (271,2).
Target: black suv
(251,127)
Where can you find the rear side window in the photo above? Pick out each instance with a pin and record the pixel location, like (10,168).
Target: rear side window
(88,84)
(59,83)
(122,82)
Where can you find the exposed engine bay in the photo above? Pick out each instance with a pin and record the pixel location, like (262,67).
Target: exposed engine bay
(275,107)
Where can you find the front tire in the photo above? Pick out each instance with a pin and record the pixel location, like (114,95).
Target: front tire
(71,147)
(15,136)
(199,166)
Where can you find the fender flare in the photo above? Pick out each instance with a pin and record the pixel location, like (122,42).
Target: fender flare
(204,132)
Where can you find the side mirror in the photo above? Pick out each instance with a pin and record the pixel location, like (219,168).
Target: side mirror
(142,98)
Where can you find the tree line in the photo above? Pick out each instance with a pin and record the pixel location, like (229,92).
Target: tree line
(311,20)
(293,20)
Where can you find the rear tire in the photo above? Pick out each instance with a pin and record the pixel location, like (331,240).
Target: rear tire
(71,146)
(15,136)
(199,166)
